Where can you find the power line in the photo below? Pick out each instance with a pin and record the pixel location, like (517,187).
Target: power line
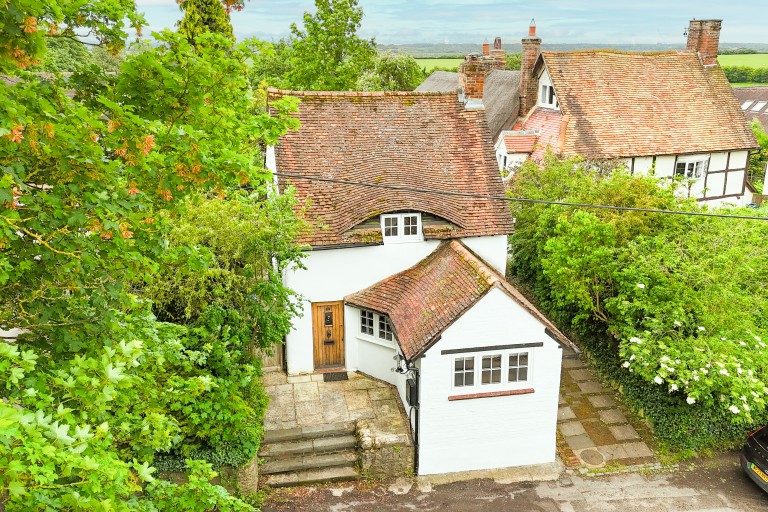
(513,199)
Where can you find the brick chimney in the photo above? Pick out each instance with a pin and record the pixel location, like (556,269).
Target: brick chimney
(528,84)
(486,49)
(498,55)
(704,38)
(472,73)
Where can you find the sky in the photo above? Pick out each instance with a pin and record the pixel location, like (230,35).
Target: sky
(469,21)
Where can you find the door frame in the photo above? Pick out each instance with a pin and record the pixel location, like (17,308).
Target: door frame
(340,348)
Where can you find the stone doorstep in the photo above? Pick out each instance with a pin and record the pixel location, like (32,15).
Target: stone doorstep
(312,476)
(309,432)
(307,462)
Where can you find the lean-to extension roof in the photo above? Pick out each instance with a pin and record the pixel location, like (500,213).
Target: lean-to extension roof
(424,300)
(754,103)
(622,104)
(400,139)
(501,95)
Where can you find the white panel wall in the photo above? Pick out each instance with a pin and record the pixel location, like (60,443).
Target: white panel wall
(484,433)
(665,166)
(331,274)
(643,165)
(492,249)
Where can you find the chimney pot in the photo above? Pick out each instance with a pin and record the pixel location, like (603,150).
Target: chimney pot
(532,28)
(497,43)
(486,49)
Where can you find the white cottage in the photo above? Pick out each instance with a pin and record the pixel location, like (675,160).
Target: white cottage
(405,279)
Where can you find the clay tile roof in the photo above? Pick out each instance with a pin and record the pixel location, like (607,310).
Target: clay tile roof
(424,300)
(501,95)
(752,100)
(420,140)
(645,103)
(520,143)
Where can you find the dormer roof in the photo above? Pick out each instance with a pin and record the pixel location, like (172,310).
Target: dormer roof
(408,140)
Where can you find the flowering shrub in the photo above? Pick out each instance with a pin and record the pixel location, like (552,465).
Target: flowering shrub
(681,300)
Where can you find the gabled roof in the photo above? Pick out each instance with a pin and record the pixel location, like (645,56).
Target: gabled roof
(501,95)
(424,300)
(624,104)
(519,142)
(399,139)
(754,103)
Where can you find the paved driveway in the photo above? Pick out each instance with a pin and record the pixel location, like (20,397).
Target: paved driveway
(711,486)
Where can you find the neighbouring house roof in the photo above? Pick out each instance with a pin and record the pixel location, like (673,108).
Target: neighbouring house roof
(754,103)
(621,104)
(501,95)
(401,139)
(519,142)
(424,300)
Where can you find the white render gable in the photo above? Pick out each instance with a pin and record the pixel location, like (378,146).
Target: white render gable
(464,428)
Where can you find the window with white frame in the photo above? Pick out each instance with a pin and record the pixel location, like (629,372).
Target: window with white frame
(547,96)
(510,367)
(463,372)
(693,169)
(376,327)
(366,322)
(385,329)
(517,367)
(401,227)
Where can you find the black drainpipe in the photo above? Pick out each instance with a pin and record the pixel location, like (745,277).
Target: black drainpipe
(417,377)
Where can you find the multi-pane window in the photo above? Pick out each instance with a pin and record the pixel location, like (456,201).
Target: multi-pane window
(507,367)
(518,367)
(491,373)
(391,227)
(385,328)
(401,227)
(366,322)
(410,225)
(464,372)
(691,169)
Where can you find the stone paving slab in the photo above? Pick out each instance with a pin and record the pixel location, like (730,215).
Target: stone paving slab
(624,432)
(602,401)
(612,416)
(580,442)
(571,428)
(581,375)
(565,414)
(591,387)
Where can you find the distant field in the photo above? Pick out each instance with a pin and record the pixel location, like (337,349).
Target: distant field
(752,60)
(746,84)
(430,64)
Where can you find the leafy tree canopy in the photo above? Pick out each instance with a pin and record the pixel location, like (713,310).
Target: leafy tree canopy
(392,72)
(204,16)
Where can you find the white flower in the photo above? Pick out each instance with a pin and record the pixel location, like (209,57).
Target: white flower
(677,323)
(701,328)
(640,285)
(734,409)
(672,387)
(657,380)
(695,377)
(626,364)
(757,338)
(632,358)
(746,407)
(664,359)
(742,344)
(690,400)
(724,372)
(739,370)
(635,339)
(704,371)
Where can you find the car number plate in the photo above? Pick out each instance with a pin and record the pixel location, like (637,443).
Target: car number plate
(759,472)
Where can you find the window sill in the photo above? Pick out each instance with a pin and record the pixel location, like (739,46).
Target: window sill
(510,392)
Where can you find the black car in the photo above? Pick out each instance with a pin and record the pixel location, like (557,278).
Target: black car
(754,457)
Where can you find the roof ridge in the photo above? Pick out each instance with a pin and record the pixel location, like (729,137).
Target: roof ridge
(491,278)
(353,94)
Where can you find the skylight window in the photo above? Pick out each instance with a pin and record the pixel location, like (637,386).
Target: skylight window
(746,104)
(759,106)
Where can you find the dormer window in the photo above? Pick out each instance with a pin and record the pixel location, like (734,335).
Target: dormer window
(547,97)
(401,227)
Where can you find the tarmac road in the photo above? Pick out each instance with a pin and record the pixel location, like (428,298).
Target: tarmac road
(711,485)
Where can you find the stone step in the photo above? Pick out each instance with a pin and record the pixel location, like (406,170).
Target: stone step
(311,476)
(310,432)
(307,462)
(307,446)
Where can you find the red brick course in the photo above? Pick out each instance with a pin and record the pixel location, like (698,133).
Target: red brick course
(509,392)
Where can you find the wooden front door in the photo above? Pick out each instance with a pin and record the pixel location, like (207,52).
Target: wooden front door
(328,329)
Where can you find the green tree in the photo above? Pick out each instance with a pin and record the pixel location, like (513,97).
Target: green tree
(64,55)
(96,386)
(327,53)
(204,16)
(513,62)
(392,72)
(758,161)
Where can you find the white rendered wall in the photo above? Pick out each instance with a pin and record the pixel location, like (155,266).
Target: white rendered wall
(492,432)
(331,274)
